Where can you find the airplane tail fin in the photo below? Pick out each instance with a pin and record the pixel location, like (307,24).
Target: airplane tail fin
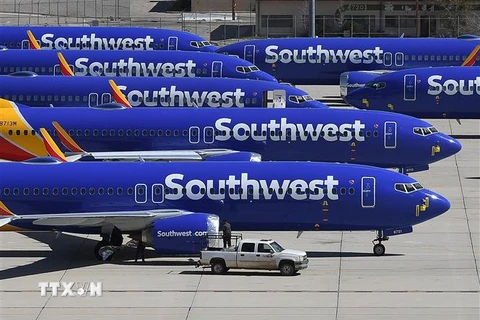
(64,67)
(472,57)
(52,149)
(118,94)
(32,41)
(65,138)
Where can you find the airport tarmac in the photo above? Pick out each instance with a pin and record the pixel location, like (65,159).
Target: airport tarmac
(432,273)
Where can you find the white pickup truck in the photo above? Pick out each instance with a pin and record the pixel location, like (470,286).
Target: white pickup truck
(255,254)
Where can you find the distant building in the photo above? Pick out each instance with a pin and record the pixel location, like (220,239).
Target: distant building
(280,18)
(222,5)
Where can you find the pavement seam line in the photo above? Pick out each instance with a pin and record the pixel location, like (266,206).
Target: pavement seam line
(194,296)
(339,276)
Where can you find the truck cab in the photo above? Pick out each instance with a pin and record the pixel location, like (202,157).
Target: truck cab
(263,254)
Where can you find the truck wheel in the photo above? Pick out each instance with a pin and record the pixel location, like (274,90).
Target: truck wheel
(287,269)
(218,267)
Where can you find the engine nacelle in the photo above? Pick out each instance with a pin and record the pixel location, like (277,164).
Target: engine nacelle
(185,234)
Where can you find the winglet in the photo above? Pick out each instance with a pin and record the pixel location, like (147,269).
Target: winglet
(32,41)
(52,149)
(118,94)
(472,57)
(64,67)
(65,138)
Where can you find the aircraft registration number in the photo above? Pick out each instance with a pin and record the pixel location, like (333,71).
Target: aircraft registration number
(7,123)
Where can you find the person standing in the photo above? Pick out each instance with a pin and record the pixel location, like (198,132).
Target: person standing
(227,234)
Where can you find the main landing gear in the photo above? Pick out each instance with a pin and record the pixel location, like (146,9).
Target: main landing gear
(378,247)
(111,236)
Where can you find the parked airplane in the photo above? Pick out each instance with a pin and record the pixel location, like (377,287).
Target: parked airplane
(128,63)
(322,60)
(375,138)
(150,91)
(448,92)
(173,207)
(101,38)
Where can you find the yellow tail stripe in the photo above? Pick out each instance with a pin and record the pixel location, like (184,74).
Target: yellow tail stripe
(32,41)
(65,138)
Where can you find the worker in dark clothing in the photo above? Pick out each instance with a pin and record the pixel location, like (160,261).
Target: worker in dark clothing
(140,251)
(227,234)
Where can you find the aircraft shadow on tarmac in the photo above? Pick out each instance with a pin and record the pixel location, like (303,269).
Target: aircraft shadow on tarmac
(72,252)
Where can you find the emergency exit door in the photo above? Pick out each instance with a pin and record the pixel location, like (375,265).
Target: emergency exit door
(249,53)
(410,87)
(368,192)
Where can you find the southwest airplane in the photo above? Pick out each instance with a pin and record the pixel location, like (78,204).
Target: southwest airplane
(113,63)
(101,38)
(153,92)
(376,138)
(173,207)
(448,92)
(322,60)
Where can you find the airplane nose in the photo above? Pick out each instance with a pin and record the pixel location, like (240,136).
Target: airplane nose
(266,77)
(354,98)
(437,204)
(446,147)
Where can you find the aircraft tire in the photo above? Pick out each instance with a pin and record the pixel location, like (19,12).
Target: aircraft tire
(96,250)
(379,249)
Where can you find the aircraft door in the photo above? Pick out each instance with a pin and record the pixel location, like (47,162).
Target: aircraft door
(387,59)
(368,192)
(249,53)
(106,98)
(140,193)
(208,134)
(390,135)
(217,67)
(194,135)
(157,193)
(92,99)
(399,59)
(172,43)
(410,87)
(276,99)
(25,44)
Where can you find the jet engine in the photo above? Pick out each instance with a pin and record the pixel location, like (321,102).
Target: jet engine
(185,234)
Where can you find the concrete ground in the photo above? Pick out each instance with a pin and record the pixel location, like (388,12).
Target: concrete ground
(432,273)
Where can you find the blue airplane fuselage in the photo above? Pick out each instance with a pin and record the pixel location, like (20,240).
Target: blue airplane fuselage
(103,38)
(374,138)
(154,92)
(322,60)
(271,196)
(447,92)
(123,63)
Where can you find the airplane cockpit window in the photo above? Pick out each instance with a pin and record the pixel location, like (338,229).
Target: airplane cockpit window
(245,69)
(376,85)
(300,99)
(408,187)
(199,44)
(426,131)
(308,97)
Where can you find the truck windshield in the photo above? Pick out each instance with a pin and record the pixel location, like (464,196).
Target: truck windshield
(276,247)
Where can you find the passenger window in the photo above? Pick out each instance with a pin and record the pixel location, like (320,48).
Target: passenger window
(248,247)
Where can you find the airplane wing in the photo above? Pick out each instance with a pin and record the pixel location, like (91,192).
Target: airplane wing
(472,57)
(118,94)
(32,41)
(64,67)
(125,220)
(166,155)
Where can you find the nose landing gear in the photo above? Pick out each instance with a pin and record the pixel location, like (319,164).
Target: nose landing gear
(378,247)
